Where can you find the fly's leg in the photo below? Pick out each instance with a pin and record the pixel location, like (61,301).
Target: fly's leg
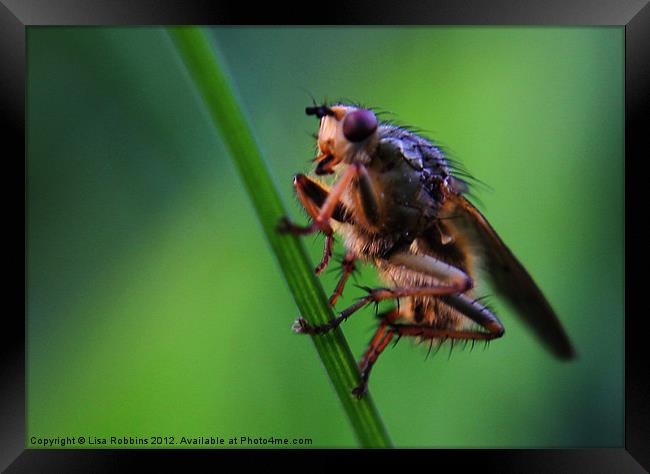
(477,312)
(380,340)
(322,218)
(456,280)
(459,282)
(327,254)
(314,197)
(323,204)
(303,327)
(471,309)
(348,268)
(368,201)
(388,328)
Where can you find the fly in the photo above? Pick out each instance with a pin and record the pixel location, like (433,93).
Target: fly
(398,204)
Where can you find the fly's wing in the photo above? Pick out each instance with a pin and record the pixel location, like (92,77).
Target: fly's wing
(510,278)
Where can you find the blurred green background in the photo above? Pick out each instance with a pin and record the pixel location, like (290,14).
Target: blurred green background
(155,306)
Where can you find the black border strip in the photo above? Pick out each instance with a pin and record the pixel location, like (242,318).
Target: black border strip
(367,12)
(637,107)
(15,15)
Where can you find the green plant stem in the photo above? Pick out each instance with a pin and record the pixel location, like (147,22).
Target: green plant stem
(216,89)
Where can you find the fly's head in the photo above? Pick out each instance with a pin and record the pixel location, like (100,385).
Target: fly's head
(347,135)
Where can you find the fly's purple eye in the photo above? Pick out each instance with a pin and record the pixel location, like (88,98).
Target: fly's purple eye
(359,125)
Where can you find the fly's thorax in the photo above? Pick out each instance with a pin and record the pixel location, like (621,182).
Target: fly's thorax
(408,202)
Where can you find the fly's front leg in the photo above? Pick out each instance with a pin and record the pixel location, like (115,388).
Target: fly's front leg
(327,254)
(322,218)
(348,268)
(322,205)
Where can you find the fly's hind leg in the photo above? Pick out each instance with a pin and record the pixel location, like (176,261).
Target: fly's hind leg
(451,293)
(388,328)
(472,309)
(317,201)
(380,340)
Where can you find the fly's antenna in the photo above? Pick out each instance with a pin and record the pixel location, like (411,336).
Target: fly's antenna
(311,96)
(319,111)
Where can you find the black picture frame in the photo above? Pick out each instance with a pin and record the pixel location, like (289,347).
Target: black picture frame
(16,15)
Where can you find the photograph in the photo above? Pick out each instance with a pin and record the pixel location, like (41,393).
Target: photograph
(324,237)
